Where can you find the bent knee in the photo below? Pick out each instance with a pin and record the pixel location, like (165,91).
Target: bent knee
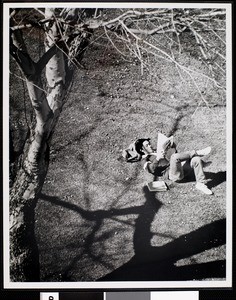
(196,160)
(175,158)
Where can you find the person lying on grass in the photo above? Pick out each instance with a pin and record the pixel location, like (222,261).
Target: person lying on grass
(167,162)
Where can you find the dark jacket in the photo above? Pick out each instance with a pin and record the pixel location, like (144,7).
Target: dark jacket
(161,167)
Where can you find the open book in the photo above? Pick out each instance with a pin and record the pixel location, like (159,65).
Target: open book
(163,143)
(157,186)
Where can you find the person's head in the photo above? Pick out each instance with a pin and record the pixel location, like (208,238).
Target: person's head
(143,146)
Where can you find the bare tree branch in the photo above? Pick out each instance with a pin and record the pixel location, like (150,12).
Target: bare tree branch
(23,59)
(48,55)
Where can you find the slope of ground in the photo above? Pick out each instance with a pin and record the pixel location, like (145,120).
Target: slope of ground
(95,219)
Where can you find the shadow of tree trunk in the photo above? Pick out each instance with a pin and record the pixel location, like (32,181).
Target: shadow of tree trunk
(158,263)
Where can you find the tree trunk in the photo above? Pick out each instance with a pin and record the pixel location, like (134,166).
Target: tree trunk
(24,256)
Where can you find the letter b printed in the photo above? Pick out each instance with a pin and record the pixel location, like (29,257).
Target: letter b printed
(49,296)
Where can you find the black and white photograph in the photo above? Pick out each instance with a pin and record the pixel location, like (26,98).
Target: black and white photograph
(117,128)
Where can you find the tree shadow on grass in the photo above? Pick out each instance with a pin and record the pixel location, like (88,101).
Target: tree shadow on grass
(159,263)
(97,217)
(151,263)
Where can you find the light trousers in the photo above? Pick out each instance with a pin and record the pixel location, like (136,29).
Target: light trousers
(176,169)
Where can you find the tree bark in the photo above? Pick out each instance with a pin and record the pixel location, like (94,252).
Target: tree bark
(24,256)
(47,105)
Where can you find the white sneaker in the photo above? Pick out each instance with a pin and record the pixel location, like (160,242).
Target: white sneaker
(202,187)
(204,151)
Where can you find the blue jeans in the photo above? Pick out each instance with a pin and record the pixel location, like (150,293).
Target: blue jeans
(176,169)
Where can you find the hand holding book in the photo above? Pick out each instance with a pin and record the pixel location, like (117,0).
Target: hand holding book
(163,144)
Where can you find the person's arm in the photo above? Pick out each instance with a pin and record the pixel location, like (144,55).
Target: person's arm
(152,162)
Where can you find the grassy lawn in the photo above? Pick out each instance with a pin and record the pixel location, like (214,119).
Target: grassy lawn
(96,220)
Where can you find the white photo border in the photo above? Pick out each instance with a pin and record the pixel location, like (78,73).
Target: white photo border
(126,284)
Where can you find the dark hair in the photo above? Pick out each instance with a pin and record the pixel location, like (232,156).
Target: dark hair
(139,145)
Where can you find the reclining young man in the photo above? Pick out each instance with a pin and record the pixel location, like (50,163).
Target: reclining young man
(169,163)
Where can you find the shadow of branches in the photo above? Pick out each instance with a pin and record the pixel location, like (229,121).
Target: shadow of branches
(158,263)
(149,262)
(97,217)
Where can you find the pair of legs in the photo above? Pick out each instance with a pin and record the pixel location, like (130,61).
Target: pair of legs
(176,170)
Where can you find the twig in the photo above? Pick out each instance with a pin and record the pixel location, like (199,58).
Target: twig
(166,55)
(199,41)
(41,12)
(213,31)
(211,15)
(24,79)
(59,28)
(176,32)
(139,56)
(111,41)
(13,13)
